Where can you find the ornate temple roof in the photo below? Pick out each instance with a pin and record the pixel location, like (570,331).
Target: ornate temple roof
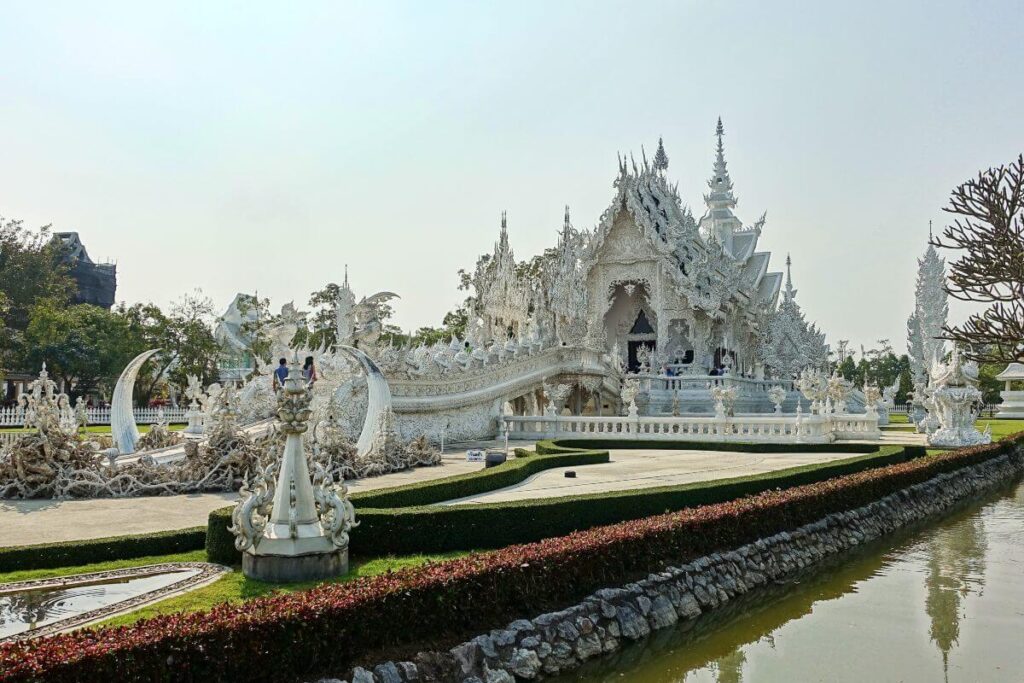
(655,204)
(96,283)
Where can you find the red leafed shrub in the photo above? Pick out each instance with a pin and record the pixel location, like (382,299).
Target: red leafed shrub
(325,630)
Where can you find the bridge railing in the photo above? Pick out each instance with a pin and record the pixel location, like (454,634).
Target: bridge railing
(787,428)
(745,385)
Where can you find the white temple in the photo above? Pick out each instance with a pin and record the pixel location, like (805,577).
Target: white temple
(679,304)
(656,286)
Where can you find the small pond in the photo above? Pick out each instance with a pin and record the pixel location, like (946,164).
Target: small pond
(945,602)
(27,609)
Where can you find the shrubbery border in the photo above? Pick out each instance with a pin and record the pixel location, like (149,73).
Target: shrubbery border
(93,550)
(444,528)
(328,628)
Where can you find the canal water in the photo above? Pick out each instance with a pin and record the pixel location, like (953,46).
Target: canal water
(22,611)
(941,603)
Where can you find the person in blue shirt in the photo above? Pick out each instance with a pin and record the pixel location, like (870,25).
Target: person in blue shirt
(280,374)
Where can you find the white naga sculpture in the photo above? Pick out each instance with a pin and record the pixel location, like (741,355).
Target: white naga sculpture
(122,415)
(289,527)
(956,400)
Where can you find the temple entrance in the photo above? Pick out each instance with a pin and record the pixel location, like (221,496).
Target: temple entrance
(630,323)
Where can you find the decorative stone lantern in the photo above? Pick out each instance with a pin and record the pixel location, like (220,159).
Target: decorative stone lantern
(288,527)
(1013,401)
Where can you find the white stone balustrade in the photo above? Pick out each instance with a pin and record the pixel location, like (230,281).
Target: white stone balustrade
(747,428)
(745,386)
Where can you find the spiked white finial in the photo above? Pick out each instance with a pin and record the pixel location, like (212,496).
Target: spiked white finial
(660,158)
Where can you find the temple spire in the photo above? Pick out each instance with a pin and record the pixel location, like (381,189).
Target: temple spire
(721,195)
(790,292)
(502,244)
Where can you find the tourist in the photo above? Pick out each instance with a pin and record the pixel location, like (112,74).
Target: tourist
(280,374)
(309,371)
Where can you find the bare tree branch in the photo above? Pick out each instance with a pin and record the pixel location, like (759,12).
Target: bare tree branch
(988,233)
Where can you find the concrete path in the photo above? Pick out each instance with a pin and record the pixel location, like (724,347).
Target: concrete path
(639,469)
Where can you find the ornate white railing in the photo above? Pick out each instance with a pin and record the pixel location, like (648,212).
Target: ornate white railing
(745,386)
(14,417)
(751,428)
(855,426)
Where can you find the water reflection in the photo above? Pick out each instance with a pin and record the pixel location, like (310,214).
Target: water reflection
(27,610)
(956,564)
(938,603)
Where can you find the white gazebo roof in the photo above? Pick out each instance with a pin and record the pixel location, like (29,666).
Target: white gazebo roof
(1013,371)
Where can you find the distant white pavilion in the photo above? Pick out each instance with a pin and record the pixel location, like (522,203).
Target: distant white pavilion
(1013,401)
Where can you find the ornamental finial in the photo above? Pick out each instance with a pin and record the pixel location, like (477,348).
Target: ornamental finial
(660,158)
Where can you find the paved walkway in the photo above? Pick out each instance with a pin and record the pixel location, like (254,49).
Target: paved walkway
(639,469)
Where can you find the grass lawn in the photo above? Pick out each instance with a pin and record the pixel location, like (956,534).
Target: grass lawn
(234,587)
(1001,428)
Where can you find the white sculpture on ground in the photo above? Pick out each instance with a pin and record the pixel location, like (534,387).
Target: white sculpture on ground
(777,395)
(291,529)
(630,388)
(1013,401)
(725,399)
(195,395)
(956,401)
(122,417)
(872,395)
(813,384)
(839,389)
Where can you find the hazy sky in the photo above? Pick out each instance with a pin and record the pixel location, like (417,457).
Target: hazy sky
(241,146)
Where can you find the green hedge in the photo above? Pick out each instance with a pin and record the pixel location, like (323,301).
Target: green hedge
(74,553)
(551,446)
(437,528)
(510,473)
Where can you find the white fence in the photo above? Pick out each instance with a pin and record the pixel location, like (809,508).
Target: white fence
(751,428)
(15,417)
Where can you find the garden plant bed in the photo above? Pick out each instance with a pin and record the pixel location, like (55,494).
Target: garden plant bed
(331,628)
(432,528)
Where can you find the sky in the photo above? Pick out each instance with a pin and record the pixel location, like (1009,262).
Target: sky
(263,146)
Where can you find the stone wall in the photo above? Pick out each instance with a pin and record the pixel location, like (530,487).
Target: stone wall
(603,622)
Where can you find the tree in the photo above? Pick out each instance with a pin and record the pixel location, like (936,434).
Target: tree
(83,346)
(31,270)
(988,233)
(324,330)
(185,337)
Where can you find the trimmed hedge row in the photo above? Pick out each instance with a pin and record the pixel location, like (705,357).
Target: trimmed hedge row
(509,473)
(436,528)
(323,631)
(549,446)
(220,543)
(74,553)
